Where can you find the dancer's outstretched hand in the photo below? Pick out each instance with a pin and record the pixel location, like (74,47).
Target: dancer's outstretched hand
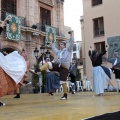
(7,18)
(106,47)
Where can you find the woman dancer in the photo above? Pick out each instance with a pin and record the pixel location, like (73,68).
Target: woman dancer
(101,74)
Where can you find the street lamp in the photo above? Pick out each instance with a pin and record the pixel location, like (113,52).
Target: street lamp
(43,53)
(42,48)
(47,54)
(36,51)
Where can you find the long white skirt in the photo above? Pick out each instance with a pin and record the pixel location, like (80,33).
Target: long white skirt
(14,65)
(100,79)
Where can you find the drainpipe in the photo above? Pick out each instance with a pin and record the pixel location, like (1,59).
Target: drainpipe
(83,45)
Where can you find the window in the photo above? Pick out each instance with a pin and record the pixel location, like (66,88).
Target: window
(45,16)
(96,2)
(98,24)
(8,6)
(74,47)
(100,47)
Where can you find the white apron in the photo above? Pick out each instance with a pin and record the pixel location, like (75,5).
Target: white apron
(100,79)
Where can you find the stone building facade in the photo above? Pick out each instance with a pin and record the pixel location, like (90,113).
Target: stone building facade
(33,12)
(100,27)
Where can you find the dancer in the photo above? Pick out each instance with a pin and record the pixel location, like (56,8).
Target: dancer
(63,62)
(101,74)
(12,69)
(23,54)
(52,82)
(116,68)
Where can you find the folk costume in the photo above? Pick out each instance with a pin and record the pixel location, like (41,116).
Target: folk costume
(62,65)
(100,74)
(12,71)
(23,82)
(116,69)
(52,82)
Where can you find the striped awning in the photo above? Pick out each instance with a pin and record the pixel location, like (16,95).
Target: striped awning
(48,2)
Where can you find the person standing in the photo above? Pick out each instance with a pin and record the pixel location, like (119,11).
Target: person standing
(72,74)
(63,62)
(116,68)
(101,74)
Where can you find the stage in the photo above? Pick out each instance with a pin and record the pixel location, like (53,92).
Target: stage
(44,107)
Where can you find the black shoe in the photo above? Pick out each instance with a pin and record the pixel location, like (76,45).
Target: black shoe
(64,97)
(118,91)
(26,82)
(73,92)
(51,94)
(2,104)
(17,96)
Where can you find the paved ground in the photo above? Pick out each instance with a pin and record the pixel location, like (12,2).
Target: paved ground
(43,107)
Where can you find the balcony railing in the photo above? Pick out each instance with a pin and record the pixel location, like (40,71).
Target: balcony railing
(3,15)
(41,27)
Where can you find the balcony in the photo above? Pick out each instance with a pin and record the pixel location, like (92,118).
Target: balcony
(41,27)
(23,20)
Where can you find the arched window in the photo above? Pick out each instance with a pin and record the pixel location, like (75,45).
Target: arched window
(8,6)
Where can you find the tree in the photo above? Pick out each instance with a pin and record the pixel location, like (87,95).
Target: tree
(78,75)
(35,81)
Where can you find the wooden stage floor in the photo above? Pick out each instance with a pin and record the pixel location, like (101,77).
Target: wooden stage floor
(44,107)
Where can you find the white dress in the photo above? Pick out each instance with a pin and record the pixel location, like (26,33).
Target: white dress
(14,65)
(100,79)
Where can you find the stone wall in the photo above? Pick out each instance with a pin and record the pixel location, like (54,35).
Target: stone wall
(30,10)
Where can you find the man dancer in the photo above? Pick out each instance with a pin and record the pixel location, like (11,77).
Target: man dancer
(116,70)
(63,62)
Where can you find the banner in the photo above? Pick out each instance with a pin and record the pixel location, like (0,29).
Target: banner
(113,45)
(50,34)
(13,31)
